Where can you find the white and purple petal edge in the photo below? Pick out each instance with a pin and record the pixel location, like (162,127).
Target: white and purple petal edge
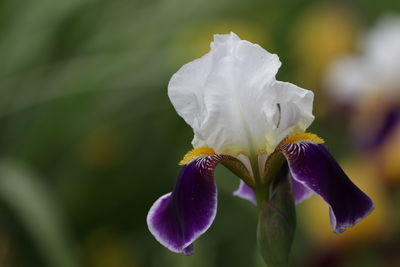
(300,191)
(245,192)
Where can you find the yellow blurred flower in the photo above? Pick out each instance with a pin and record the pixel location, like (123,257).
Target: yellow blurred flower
(389,157)
(320,35)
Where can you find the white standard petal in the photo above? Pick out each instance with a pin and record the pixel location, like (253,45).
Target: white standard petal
(295,116)
(230,98)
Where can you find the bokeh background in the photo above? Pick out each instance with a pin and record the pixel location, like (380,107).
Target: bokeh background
(89,139)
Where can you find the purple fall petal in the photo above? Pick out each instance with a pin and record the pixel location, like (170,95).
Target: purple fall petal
(300,191)
(314,167)
(390,122)
(245,192)
(178,218)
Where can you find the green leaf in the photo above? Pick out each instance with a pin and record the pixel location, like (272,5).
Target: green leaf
(36,209)
(277,222)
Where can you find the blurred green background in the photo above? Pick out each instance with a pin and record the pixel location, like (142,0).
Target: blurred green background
(89,139)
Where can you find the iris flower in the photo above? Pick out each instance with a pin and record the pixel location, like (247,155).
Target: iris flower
(370,83)
(245,119)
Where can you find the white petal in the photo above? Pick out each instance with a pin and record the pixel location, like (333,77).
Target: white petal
(295,109)
(349,78)
(382,49)
(229,97)
(376,70)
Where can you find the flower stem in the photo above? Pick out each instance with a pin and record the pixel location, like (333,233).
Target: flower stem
(277,221)
(260,189)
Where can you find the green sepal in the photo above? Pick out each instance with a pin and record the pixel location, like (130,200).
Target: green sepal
(277,221)
(237,168)
(273,167)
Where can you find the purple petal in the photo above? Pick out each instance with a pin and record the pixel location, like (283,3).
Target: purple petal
(300,191)
(390,121)
(245,192)
(178,218)
(314,167)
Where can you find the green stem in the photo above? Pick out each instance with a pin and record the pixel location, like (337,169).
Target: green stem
(260,189)
(277,221)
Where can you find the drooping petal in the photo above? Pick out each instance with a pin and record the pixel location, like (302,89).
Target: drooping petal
(230,98)
(245,192)
(313,166)
(178,218)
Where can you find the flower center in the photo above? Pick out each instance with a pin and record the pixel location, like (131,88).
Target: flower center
(196,153)
(313,138)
